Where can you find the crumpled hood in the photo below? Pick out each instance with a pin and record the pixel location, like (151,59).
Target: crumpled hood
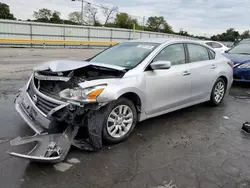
(238,58)
(67,65)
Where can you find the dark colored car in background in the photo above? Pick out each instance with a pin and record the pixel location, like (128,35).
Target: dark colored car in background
(240,56)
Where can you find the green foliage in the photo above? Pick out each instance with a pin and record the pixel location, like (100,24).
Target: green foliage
(229,35)
(158,24)
(43,15)
(184,33)
(75,17)
(55,18)
(155,23)
(46,15)
(5,12)
(245,34)
(167,28)
(69,22)
(123,20)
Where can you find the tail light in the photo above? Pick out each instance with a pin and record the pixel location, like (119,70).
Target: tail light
(230,63)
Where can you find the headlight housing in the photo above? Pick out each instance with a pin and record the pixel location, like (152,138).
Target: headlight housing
(244,66)
(79,94)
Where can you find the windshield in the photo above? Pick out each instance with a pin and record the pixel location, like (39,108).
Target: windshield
(127,54)
(243,48)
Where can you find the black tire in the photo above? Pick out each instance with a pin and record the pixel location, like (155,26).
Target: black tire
(107,110)
(212,101)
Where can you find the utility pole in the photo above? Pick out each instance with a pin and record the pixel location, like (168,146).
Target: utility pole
(82,14)
(81,10)
(143,21)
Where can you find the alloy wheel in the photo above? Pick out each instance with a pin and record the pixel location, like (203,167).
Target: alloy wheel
(219,92)
(119,121)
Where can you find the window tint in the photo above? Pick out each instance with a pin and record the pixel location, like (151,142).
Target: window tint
(197,53)
(209,44)
(173,53)
(216,45)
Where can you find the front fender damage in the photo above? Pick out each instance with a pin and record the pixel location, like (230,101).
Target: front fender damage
(53,147)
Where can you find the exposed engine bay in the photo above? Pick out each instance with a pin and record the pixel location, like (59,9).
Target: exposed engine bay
(52,83)
(59,123)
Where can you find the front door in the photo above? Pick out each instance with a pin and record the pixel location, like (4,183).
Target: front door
(168,88)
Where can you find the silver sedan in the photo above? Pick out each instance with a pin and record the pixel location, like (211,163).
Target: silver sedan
(111,92)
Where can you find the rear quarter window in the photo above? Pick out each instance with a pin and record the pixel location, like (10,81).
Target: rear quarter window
(197,52)
(211,54)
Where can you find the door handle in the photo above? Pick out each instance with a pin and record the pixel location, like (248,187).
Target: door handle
(213,67)
(186,73)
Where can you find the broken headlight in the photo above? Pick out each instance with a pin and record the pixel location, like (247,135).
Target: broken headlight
(82,94)
(244,66)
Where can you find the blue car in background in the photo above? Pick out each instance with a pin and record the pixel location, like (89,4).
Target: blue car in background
(240,56)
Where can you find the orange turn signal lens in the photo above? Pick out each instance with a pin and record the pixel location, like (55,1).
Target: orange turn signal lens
(92,95)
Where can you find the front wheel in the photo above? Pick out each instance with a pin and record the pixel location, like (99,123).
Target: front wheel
(218,92)
(120,120)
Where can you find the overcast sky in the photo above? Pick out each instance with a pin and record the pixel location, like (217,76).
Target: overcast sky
(200,17)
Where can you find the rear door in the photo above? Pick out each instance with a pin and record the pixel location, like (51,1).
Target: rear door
(203,70)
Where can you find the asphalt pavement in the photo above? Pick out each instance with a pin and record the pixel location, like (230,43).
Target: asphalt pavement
(199,146)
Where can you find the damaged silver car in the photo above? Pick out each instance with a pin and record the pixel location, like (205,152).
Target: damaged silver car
(84,103)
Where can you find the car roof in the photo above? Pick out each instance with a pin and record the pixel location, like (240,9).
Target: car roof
(162,40)
(204,41)
(168,40)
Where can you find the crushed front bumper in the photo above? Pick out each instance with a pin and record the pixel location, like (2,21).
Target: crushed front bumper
(52,148)
(49,148)
(30,114)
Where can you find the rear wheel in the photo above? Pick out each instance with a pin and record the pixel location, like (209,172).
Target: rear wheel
(218,92)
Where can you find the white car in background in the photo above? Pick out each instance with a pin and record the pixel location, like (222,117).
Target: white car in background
(217,46)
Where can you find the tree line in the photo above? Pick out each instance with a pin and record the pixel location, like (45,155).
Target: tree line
(114,18)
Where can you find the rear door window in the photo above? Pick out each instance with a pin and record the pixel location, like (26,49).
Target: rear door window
(197,53)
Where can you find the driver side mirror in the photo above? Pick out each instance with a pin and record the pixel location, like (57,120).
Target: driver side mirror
(160,65)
